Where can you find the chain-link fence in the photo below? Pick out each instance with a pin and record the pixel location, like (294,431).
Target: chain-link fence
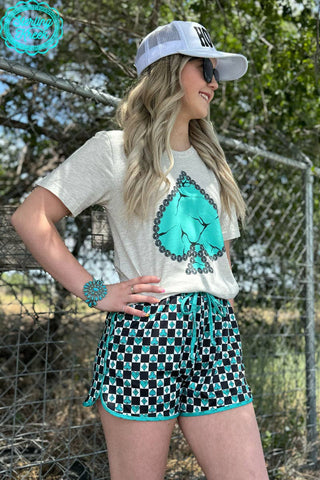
(48,338)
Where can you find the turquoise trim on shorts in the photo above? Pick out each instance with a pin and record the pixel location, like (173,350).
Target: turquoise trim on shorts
(142,418)
(160,418)
(216,410)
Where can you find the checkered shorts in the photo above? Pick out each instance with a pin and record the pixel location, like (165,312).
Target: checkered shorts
(183,359)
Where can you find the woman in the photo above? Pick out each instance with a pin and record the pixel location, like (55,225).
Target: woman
(171,349)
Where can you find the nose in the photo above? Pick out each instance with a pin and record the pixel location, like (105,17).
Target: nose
(213,84)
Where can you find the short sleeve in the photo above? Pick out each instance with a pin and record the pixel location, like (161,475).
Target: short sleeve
(229,225)
(84,178)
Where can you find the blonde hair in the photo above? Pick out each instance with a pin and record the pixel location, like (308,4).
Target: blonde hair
(147,116)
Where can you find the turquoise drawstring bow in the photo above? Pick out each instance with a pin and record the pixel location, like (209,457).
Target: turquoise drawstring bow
(215,306)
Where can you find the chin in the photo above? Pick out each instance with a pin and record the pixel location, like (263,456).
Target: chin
(203,116)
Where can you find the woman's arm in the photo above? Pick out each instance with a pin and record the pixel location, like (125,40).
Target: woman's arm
(227,247)
(35,221)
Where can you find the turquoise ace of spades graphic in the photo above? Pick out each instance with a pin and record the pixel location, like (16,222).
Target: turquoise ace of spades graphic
(187,227)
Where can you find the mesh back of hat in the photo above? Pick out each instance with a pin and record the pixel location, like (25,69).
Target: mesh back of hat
(152,45)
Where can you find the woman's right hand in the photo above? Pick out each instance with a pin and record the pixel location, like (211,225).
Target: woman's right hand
(121,295)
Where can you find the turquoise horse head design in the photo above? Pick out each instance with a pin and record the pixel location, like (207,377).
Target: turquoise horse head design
(187,227)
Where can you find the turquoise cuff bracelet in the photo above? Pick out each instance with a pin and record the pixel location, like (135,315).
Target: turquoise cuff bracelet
(94,291)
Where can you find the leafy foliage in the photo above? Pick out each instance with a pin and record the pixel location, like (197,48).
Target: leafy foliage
(276,104)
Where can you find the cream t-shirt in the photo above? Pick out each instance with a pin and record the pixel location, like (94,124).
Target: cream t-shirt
(181,241)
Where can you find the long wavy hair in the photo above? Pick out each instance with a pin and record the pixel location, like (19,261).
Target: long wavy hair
(147,116)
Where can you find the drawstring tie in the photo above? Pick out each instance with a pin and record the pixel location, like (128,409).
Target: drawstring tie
(215,307)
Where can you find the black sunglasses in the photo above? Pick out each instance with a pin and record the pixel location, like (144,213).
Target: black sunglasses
(209,72)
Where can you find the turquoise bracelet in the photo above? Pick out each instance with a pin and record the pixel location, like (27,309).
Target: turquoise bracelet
(94,291)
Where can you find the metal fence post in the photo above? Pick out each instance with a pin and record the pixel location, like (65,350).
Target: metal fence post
(310,323)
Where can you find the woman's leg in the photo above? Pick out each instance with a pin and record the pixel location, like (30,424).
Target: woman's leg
(227,444)
(136,449)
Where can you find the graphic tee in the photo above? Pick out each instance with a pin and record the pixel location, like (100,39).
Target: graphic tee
(182,239)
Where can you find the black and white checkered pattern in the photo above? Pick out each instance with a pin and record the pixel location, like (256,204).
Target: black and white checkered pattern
(144,367)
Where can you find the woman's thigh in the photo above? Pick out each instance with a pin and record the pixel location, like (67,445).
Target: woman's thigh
(227,444)
(136,449)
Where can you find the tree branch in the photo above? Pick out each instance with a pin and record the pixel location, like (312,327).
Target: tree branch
(112,58)
(8,122)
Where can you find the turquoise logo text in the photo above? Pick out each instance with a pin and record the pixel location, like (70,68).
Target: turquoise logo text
(31,27)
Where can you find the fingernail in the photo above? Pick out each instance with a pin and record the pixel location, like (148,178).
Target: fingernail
(147,315)
(163,290)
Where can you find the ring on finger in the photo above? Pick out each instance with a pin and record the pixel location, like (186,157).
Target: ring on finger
(132,289)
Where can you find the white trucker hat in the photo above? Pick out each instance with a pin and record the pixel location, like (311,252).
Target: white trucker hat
(192,39)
